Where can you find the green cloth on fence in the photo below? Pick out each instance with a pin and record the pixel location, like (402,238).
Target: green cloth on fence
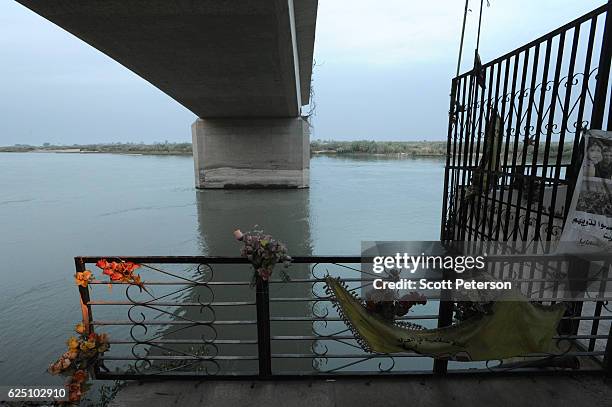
(514,328)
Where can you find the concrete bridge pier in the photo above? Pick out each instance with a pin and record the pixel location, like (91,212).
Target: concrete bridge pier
(251,152)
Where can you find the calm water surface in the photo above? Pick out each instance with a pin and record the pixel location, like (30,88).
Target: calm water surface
(57,206)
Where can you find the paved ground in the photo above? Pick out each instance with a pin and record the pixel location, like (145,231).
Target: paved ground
(524,391)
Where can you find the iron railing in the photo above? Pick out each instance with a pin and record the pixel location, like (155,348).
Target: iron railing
(539,98)
(201,318)
(545,94)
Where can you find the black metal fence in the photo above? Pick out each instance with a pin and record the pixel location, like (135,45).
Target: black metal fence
(200,317)
(515,130)
(514,141)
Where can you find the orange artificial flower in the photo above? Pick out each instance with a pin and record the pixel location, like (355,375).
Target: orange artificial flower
(87,346)
(115,276)
(83,278)
(79,376)
(81,353)
(74,392)
(121,271)
(61,364)
(73,343)
(103,345)
(65,361)
(55,368)
(129,266)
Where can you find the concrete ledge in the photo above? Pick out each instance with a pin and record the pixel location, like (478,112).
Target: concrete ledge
(465,390)
(235,178)
(251,153)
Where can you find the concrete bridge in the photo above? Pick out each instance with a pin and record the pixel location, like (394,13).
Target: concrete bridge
(242,66)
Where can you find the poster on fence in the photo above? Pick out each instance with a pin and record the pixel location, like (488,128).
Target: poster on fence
(589,220)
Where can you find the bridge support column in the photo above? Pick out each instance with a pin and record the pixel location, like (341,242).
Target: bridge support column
(251,153)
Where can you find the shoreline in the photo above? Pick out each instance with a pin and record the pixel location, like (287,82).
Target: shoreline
(363,148)
(171,153)
(345,148)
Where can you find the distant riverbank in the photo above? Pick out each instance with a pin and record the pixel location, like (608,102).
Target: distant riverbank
(317,147)
(410,148)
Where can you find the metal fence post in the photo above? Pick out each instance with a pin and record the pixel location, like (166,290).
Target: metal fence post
(262,298)
(608,354)
(84,297)
(445,318)
(445,310)
(79,265)
(451,118)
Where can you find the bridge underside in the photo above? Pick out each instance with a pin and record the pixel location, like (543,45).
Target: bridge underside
(230,59)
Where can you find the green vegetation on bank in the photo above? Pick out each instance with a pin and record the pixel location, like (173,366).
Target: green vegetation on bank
(405,148)
(415,148)
(114,148)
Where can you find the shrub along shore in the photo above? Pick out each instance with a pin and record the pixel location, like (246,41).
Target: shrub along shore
(399,148)
(416,148)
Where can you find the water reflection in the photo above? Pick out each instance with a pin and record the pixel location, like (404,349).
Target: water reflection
(284,215)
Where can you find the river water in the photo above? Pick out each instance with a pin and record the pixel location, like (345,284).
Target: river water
(57,206)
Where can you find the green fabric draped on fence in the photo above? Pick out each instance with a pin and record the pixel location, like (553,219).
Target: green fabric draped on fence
(513,328)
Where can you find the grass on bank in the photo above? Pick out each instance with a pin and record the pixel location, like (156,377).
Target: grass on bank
(415,148)
(407,148)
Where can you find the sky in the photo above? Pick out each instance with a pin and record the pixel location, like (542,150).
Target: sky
(383,71)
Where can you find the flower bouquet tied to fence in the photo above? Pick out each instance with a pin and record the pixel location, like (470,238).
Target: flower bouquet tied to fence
(76,363)
(264,252)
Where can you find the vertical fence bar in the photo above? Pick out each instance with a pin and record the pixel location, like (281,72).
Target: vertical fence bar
(474,161)
(451,121)
(516,177)
(468,203)
(262,298)
(491,182)
(536,149)
(79,265)
(459,115)
(457,148)
(507,135)
(548,128)
(565,111)
(527,142)
(439,366)
(481,217)
(609,126)
(467,141)
(595,325)
(84,297)
(608,354)
(445,318)
(574,167)
(513,111)
(603,72)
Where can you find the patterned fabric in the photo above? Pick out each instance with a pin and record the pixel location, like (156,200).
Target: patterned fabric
(514,328)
